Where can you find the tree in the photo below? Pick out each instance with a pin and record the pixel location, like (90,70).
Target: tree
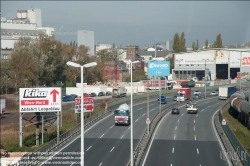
(206,44)
(176,45)
(182,43)
(137,76)
(197,45)
(218,42)
(193,46)
(111,53)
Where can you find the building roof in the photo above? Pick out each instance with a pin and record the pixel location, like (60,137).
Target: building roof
(18,32)
(152,53)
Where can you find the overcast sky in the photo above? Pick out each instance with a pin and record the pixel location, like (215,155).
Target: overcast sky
(143,22)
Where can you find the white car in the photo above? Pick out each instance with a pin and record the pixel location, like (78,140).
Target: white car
(197,92)
(214,93)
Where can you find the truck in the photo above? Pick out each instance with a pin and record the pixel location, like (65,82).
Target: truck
(226,91)
(183,94)
(122,115)
(193,108)
(119,92)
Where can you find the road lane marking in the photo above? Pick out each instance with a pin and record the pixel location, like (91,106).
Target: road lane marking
(112,149)
(72,164)
(209,106)
(112,126)
(100,164)
(194,121)
(171,165)
(202,110)
(152,109)
(194,127)
(88,148)
(197,151)
(136,120)
(102,135)
(175,127)
(129,127)
(151,104)
(140,108)
(197,115)
(182,114)
(195,137)
(144,114)
(206,102)
(178,120)
(174,136)
(121,137)
(173,150)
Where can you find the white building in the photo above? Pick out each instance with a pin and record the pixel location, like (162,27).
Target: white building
(214,62)
(86,38)
(102,47)
(28,23)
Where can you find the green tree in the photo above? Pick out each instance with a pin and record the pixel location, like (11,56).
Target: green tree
(206,44)
(182,43)
(197,45)
(193,46)
(218,42)
(176,45)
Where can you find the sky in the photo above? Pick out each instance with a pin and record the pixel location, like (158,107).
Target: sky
(143,23)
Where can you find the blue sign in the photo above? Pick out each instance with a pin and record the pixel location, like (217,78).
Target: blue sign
(159,68)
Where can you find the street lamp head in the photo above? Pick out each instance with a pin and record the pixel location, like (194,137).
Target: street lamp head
(91,64)
(158,59)
(73,64)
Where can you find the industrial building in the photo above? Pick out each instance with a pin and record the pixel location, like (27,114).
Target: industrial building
(211,64)
(86,38)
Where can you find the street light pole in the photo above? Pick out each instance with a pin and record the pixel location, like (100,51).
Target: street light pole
(205,74)
(73,64)
(240,67)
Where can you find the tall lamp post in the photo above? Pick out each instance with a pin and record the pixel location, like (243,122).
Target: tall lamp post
(240,67)
(179,60)
(131,121)
(73,64)
(205,74)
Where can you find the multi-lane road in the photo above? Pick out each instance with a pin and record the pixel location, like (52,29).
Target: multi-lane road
(183,139)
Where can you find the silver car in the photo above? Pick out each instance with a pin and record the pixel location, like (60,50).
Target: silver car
(214,93)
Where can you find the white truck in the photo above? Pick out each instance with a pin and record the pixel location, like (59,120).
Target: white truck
(119,92)
(193,108)
(122,114)
(226,91)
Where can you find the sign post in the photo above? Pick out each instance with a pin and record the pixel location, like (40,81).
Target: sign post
(147,121)
(223,122)
(88,104)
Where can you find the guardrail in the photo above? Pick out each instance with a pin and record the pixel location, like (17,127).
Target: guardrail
(38,156)
(240,151)
(139,152)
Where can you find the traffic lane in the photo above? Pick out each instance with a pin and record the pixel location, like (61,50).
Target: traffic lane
(161,146)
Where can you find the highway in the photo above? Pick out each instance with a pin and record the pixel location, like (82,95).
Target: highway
(107,144)
(187,139)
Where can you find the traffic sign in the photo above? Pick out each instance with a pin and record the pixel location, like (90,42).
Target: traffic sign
(223,122)
(147,121)
(88,104)
(40,99)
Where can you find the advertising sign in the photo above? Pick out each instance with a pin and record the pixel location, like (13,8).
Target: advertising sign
(159,68)
(78,85)
(88,104)
(40,99)
(2,106)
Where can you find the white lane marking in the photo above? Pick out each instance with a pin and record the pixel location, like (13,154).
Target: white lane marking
(100,164)
(197,115)
(153,109)
(178,120)
(136,120)
(173,150)
(182,114)
(88,148)
(151,104)
(112,149)
(122,136)
(197,151)
(171,164)
(174,136)
(209,106)
(202,110)
(140,108)
(72,164)
(195,137)
(129,127)
(102,135)
(175,127)
(194,121)
(194,127)
(144,114)
(112,126)
(206,102)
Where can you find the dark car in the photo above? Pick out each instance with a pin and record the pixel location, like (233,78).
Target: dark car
(108,93)
(67,98)
(93,94)
(86,95)
(175,111)
(196,96)
(175,98)
(162,99)
(101,94)
(73,96)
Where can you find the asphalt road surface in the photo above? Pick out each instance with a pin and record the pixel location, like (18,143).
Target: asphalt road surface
(106,144)
(187,139)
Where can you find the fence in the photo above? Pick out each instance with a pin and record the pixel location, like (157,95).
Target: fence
(240,151)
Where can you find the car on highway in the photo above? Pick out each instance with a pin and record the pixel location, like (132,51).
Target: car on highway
(101,94)
(174,98)
(197,92)
(108,93)
(196,96)
(93,94)
(214,93)
(73,96)
(162,100)
(175,110)
(67,98)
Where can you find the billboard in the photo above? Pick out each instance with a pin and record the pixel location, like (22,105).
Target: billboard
(88,104)
(40,99)
(159,68)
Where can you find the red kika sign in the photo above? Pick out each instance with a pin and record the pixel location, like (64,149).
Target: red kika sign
(246,61)
(34,102)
